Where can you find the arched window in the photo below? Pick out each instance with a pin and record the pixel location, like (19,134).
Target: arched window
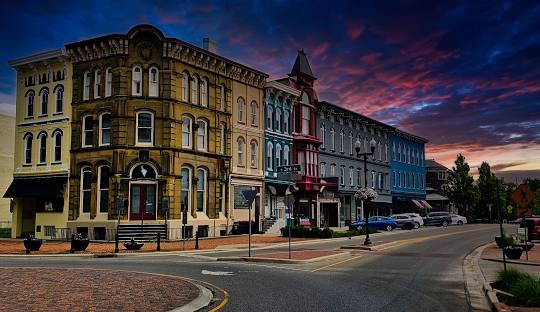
(379,146)
(59,100)
(202,196)
(359,177)
(278,155)
(286,155)
(394,150)
(333,170)
(385,152)
(351,176)
(185,86)
(269,117)
(323,170)
(269,156)
(341,140)
(305,98)
(145,128)
(399,153)
(351,143)
(253,153)
(153,82)
(86,189)
(342,175)
(86,87)
(30,104)
(136,81)
(278,119)
(202,135)
(241,104)
(186,132)
(286,123)
(185,195)
(105,129)
(306,117)
(333,139)
(103,189)
(28,149)
(88,131)
(97,84)
(322,134)
(194,90)
(108,82)
(254,113)
(57,146)
(44,102)
(241,146)
(204,92)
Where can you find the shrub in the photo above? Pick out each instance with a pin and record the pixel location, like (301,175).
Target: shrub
(524,288)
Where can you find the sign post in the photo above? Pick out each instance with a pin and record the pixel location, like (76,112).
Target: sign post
(289,203)
(289,173)
(184,222)
(249,196)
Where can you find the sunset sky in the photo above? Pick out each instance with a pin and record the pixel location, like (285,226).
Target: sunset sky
(464,75)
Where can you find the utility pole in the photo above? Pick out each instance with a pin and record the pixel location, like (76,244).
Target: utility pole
(500,223)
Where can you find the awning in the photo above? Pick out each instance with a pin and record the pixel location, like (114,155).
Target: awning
(43,187)
(418,204)
(425,203)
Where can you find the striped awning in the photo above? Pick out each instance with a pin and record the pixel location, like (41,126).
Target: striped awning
(426,204)
(418,204)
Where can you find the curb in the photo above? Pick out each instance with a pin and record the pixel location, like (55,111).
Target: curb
(357,247)
(203,300)
(475,282)
(512,261)
(284,261)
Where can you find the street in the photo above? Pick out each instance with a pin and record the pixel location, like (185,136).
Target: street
(417,270)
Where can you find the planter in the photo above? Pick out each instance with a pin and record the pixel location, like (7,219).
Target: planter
(32,244)
(527,247)
(133,245)
(513,253)
(498,240)
(79,244)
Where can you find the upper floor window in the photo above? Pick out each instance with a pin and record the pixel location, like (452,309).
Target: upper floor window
(333,170)
(241,107)
(103,189)
(97,84)
(351,176)
(278,155)
(322,136)
(359,177)
(204,92)
(278,119)
(222,139)
(323,170)
(194,91)
(86,87)
(145,128)
(342,175)
(185,193)
(202,137)
(341,139)
(30,104)
(286,155)
(394,151)
(57,146)
(305,119)
(286,122)
(44,102)
(186,132)
(105,129)
(269,156)
(59,100)
(42,140)
(399,152)
(202,175)
(86,189)
(28,149)
(185,86)
(379,145)
(153,82)
(254,113)
(108,82)
(240,146)
(253,153)
(333,139)
(351,143)
(269,117)
(373,179)
(385,152)
(88,131)
(136,81)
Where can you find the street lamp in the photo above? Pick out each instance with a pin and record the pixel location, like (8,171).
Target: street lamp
(357,146)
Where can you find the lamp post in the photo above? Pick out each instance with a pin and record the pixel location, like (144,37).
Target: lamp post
(358,146)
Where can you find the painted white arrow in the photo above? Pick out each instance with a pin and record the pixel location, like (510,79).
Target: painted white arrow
(205,272)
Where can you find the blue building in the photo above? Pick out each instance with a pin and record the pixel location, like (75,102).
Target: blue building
(407,172)
(278,148)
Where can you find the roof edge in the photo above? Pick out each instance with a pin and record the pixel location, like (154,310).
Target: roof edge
(37,57)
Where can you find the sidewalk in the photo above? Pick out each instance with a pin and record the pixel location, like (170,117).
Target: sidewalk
(494,253)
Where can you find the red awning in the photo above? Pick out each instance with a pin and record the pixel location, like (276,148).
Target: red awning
(425,203)
(419,205)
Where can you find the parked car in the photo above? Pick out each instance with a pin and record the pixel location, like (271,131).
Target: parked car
(377,222)
(438,218)
(533,228)
(416,217)
(457,219)
(404,221)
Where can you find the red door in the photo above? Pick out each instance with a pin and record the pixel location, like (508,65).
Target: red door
(143,202)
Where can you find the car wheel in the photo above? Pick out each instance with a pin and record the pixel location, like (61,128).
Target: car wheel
(416,225)
(445,223)
(460,222)
(389,228)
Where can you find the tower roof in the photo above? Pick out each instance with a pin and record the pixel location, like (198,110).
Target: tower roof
(301,66)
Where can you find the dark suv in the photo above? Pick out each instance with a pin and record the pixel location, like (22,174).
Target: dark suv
(437,218)
(533,227)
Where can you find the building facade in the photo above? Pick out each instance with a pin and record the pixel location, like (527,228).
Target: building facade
(7,137)
(436,177)
(42,142)
(339,131)
(152,133)
(408,172)
(280,101)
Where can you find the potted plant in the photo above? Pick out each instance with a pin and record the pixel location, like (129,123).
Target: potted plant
(133,245)
(511,251)
(78,243)
(32,244)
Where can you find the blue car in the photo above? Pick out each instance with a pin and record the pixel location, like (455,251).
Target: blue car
(377,222)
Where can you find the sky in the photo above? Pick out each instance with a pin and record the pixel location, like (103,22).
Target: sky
(463,74)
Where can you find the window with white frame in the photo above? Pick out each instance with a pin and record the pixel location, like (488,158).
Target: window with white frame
(194,90)
(351,176)
(108,82)
(204,92)
(286,155)
(342,175)
(186,132)
(30,104)
(86,88)
(323,170)
(278,119)
(241,104)
(97,84)
(28,149)
(269,117)
(202,135)
(373,179)
(269,156)
(185,193)
(385,152)
(136,81)
(44,102)
(394,151)
(333,139)
(399,152)
(145,128)
(202,175)
(351,148)
(253,153)
(333,170)
(359,177)
(185,86)
(240,142)
(86,189)
(105,129)
(278,155)
(380,180)
(254,113)
(393,178)
(379,145)
(59,100)
(153,82)
(306,117)
(222,139)
(88,131)
(322,134)
(103,189)
(341,140)
(57,146)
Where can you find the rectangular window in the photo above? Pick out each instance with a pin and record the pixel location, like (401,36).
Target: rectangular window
(359,178)
(351,176)
(103,189)
(323,170)
(305,119)
(342,175)
(144,128)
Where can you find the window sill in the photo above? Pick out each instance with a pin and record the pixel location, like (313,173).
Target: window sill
(27,165)
(56,163)
(144,144)
(57,113)
(87,146)
(104,145)
(41,164)
(28,117)
(45,115)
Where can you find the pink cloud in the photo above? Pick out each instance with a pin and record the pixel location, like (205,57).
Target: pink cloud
(355,30)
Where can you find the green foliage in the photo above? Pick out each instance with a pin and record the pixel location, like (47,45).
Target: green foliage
(315,232)
(487,194)
(534,185)
(508,240)
(460,188)
(5,232)
(524,288)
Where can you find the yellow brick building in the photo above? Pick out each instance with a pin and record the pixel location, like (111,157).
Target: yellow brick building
(7,139)
(42,143)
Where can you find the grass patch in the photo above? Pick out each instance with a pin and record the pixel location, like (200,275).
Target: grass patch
(315,232)
(524,287)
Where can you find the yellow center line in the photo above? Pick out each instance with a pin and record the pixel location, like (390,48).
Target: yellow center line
(336,263)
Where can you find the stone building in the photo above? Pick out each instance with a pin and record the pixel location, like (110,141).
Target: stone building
(42,141)
(339,130)
(7,139)
(152,133)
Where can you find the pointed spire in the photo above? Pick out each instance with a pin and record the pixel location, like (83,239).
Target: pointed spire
(301,66)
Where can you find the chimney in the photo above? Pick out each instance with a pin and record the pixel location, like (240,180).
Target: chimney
(210,45)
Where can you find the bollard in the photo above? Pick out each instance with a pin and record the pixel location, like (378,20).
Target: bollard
(116,250)
(158,242)
(71,250)
(197,240)
(27,251)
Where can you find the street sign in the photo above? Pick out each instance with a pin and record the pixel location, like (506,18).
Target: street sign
(289,168)
(289,176)
(250,195)
(523,195)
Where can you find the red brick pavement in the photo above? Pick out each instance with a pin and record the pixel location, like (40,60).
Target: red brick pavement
(41,289)
(300,254)
(494,252)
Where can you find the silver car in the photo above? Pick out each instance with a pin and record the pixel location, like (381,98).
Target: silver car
(406,216)
(457,219)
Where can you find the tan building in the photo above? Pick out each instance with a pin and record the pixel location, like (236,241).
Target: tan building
(7,137)
(42,141)
(152,135)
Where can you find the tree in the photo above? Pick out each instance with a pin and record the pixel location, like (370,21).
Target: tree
(486,188)
(534,185)
(460,188)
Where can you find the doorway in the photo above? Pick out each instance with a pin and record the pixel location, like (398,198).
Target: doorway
(142,201)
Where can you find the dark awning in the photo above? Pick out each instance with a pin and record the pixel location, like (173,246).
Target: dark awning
(43,187)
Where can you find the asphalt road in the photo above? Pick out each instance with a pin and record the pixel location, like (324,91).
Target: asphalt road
(418,270)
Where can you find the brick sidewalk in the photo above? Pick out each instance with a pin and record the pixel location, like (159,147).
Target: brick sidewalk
(493,252)
(41,289)
(56,247)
